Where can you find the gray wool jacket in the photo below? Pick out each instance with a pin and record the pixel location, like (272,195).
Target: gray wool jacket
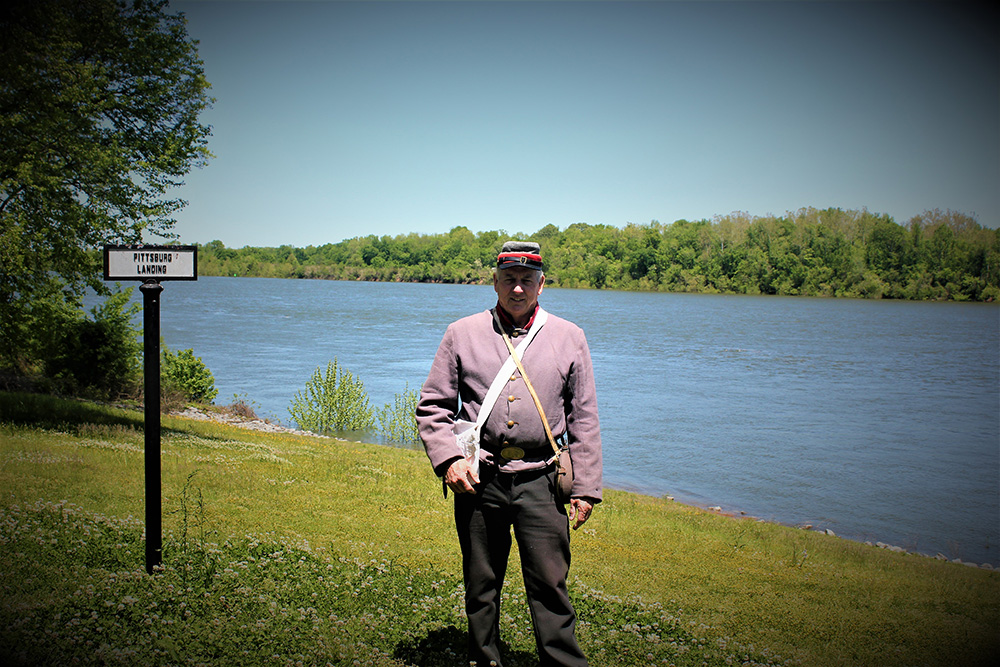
(558,365)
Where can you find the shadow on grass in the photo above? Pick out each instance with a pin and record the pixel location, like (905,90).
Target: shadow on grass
(446,647)
(72,415)
(47,411)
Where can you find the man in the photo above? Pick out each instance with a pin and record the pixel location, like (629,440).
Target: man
(515,485)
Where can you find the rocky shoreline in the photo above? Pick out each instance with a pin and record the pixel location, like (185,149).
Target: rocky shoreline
(252,423)
(257,424)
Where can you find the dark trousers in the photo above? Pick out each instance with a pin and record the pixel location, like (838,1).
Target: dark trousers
(526,502)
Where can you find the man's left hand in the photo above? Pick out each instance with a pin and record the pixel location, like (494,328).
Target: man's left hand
(579,511)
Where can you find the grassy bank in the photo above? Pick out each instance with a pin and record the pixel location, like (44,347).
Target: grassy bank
(283,549)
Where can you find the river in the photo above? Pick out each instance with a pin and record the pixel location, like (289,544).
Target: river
(878,420)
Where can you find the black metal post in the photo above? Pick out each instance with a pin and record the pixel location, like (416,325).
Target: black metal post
(151,399)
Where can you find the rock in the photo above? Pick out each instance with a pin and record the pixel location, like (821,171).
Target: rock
(240,422)
(830,533)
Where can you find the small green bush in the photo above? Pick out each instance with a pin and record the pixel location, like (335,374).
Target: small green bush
(100,355)
(332,401)
(185,373)
(397,422)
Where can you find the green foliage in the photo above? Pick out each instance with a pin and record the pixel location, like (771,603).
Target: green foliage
(397,422)
(831,252)
(100,355)
(333,400)
(99,106)
(188,374)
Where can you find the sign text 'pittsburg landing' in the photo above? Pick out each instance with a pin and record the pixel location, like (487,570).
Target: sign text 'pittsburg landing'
(151,263)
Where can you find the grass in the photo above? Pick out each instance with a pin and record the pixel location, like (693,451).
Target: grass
(283,549)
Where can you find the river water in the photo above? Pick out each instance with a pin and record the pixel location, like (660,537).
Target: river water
(879,420)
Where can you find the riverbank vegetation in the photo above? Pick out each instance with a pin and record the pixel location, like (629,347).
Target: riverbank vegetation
(101,101)
(99,355)
(283,549)
(335,400)
(831,252)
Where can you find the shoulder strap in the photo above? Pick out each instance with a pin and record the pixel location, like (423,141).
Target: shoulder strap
(531,390)
(508,366)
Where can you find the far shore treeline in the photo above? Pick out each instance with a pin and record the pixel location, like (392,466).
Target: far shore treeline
(940,255)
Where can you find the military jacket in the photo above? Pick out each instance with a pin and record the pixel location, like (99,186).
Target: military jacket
(559,367)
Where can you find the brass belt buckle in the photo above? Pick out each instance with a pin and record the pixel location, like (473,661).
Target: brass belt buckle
(512,453)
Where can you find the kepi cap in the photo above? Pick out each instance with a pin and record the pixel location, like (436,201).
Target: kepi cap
(520,253)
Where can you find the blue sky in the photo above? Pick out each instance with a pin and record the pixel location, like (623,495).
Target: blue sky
(341,119)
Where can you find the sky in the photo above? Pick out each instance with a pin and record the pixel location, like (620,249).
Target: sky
(334,120)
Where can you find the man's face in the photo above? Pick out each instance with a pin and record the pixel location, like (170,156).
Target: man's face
(517,291)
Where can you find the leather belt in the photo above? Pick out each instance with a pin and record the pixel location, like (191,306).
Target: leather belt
(517,452)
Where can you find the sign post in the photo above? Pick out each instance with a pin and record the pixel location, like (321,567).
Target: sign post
(151,264)
(151,418)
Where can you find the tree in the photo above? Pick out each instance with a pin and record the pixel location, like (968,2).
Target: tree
(886,248)
(99,107)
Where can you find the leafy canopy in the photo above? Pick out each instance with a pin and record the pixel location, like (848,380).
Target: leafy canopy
(99,107)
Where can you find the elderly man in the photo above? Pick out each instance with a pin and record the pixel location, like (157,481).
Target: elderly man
(512,483)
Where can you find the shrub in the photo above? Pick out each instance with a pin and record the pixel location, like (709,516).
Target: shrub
(185,373)
(242,406)
(101,354)
(332,401)
(397,422)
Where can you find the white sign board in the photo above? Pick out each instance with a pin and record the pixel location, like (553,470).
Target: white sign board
(149,262)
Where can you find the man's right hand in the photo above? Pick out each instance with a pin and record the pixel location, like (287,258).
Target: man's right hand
(460,478)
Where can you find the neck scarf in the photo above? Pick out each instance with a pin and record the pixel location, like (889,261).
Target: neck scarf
(508,321)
